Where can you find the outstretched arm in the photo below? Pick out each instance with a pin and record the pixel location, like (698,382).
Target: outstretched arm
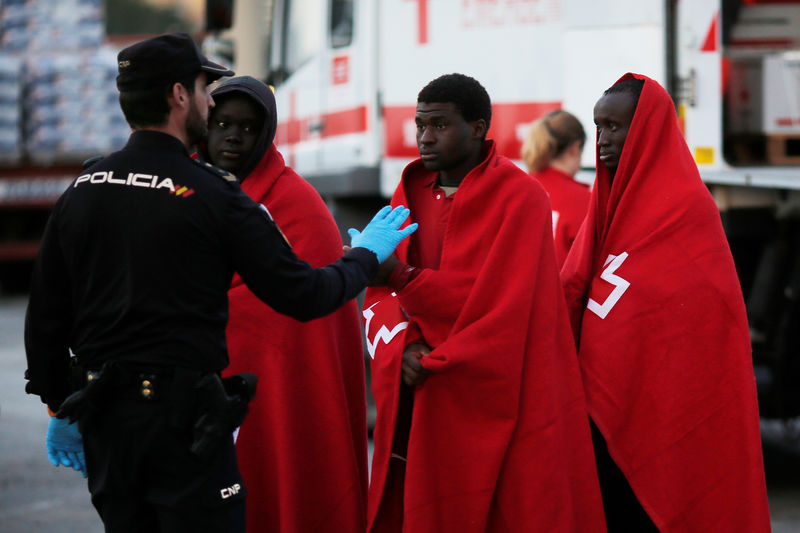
(290,286)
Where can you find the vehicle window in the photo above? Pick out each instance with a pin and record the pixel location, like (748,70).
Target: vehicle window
(304,32)
(341,23)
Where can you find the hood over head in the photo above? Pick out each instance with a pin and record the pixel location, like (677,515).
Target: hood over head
(262,95)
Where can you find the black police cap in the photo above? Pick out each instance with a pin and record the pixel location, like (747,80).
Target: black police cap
(161,60)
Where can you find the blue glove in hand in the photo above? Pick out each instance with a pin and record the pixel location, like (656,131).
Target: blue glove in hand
(65,444)
(381,234)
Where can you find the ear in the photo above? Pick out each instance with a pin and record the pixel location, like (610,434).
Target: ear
(479,128)
(179,95)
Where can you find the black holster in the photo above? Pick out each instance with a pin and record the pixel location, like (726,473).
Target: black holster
(222,406)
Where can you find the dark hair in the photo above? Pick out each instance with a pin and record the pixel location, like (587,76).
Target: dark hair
(632,86)
(150,107)
(466,93)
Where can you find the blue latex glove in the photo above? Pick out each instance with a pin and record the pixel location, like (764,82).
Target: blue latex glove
(65,444)
(381,234)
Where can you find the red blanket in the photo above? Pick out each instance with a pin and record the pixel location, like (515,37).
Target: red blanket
(663,339)
(499,436)
(570,201)
(303,447)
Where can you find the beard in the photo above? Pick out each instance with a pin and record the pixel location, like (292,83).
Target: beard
(196,125)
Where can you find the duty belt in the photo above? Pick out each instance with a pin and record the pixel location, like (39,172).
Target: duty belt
(211,406)
(146,385)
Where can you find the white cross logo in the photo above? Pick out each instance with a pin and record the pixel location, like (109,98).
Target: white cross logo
(383,333)
(620,284)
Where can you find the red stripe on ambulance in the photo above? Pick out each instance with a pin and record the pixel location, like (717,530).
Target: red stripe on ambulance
(342,122)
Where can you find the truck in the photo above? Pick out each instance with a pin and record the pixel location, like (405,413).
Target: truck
(346,74)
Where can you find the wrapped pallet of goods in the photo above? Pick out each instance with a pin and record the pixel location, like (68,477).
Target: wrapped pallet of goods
(68,109)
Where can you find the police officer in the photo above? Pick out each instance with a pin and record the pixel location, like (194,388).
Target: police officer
(132,277)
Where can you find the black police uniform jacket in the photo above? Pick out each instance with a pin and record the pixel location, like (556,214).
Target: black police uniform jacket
(137,258)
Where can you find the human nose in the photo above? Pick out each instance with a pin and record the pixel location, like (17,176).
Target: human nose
(425,135)
(602,138)
(232,134)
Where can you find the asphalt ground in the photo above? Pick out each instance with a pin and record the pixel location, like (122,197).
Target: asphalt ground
(36,497)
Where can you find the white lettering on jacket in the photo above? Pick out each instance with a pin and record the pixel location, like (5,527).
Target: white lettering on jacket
(620,285)
(134,179)
(383,334)
(227,492)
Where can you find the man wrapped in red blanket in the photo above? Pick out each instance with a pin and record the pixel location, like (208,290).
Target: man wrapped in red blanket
(303,448)
(481,423)
(662,337)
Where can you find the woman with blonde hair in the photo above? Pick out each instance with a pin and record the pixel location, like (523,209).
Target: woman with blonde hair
(552,153)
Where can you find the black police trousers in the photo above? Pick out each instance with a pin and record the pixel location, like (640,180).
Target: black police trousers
(143,476)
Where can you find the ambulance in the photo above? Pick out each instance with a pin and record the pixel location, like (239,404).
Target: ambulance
(346,74)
